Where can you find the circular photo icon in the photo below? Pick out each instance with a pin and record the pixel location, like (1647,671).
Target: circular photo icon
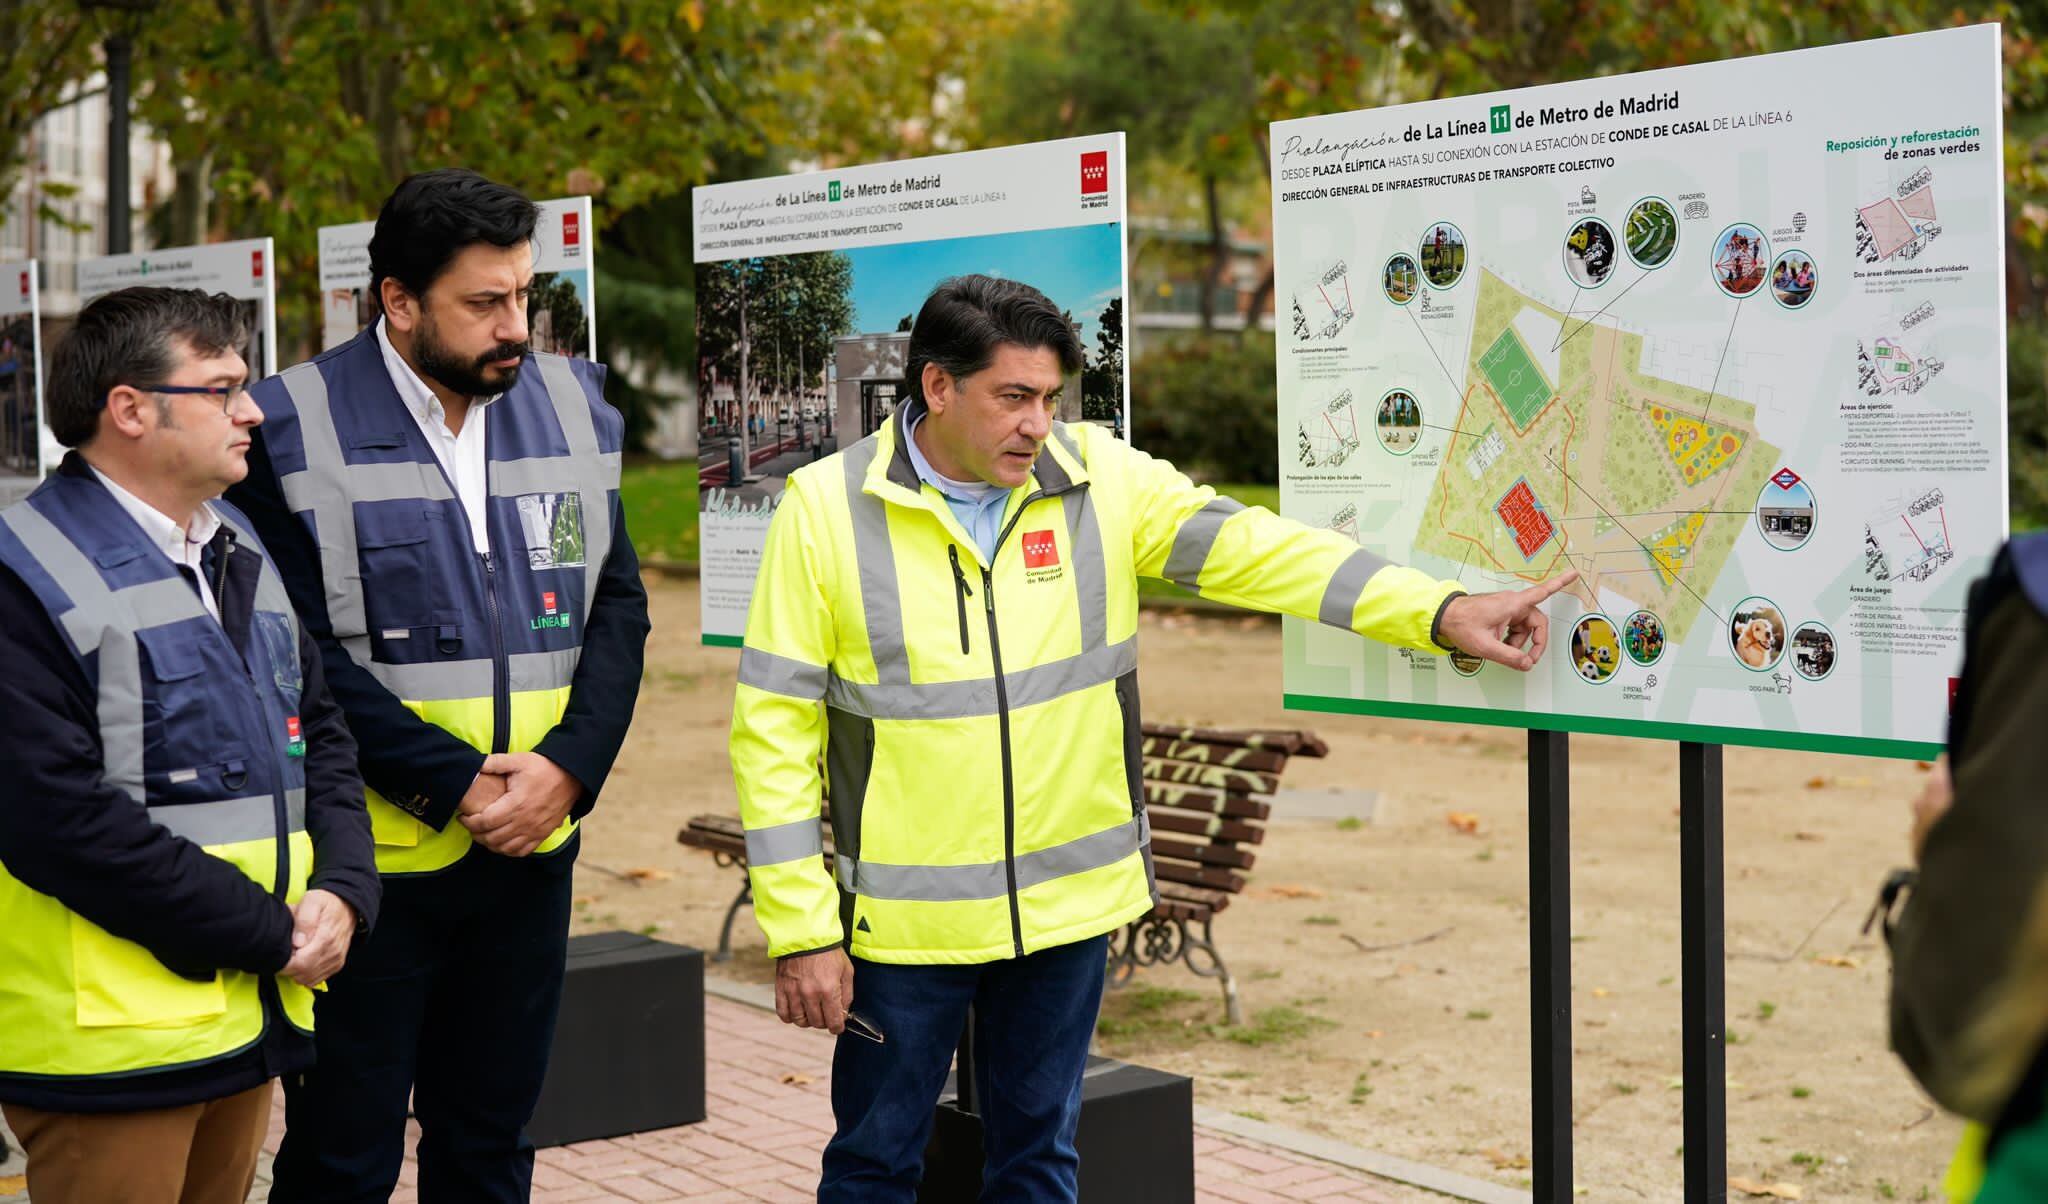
(1401,279)
(1739,258)
(1794,279)
(1785,511)
(1642,637)
(1813,650)
(1442,255)
(1466,664)
(1589,253)
(1756,632)
(1596,648)
(1399,423)
(1651,232)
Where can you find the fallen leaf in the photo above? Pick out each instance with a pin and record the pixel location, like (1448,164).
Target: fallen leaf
(1506,1162)
(585,900)
(793,1079)
(1601,992)
(1924,766)
(1840,960)
(1464,821)
(1376,1034)
(1750,1187)
(647,873)
(1288,890)
(1816,783)
(1813,837)
(11,1184)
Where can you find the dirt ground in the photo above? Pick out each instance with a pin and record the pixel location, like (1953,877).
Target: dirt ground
(1423,1050)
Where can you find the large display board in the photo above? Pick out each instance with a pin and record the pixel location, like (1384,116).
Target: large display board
(562,311)
(21,382)
(246,271)
(806,287)
(1728,339)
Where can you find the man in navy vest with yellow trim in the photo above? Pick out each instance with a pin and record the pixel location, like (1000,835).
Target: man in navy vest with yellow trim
(184,853)
(443,505)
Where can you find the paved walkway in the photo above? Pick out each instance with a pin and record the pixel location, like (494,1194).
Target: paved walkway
(768,1089)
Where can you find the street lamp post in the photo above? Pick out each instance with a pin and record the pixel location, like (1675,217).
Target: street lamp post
(127,15)
(118,224)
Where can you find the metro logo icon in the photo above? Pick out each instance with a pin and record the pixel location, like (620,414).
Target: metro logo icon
(572,230)
(1094,172)
(256,265)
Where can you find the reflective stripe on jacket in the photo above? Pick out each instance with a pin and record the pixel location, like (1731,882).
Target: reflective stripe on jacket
(201,733)
(979,723)
(484,647)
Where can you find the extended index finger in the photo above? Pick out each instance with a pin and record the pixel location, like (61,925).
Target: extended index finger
(1543,590)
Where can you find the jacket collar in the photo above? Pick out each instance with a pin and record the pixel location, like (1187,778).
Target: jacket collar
(892,477)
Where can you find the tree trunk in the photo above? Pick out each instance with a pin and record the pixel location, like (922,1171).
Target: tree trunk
(1219,254)
(1256,304)
(191,201)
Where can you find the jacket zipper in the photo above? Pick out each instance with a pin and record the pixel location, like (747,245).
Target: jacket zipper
(995,651)
(501,698)
(960,593)
(266,986)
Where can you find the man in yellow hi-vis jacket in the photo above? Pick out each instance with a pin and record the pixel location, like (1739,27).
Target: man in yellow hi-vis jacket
(948,611)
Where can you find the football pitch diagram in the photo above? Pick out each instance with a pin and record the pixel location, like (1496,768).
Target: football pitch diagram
(1887,366)
(1644,485)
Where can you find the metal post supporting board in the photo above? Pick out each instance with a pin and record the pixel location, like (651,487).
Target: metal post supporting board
(1705,972)
(1550,964)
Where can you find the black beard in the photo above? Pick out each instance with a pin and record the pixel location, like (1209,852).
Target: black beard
(471,378)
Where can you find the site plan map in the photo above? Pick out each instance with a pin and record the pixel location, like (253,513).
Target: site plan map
(1727,339)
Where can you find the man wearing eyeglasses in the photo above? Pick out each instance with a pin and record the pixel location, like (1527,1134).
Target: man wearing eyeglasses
(184,851)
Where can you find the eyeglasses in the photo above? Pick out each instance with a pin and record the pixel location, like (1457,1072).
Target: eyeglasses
(228,394)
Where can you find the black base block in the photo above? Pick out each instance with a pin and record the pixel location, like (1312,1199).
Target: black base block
(1136,1140)
(629,1049)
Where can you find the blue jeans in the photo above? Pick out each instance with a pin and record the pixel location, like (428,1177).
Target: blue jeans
(1035,1017)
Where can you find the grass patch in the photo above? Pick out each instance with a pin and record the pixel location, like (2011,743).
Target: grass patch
(1478,1014)
(1350,823)
(660,500)
(1142,1011)
(1272,1026)
(1802,1092)
(1324,921)
(1360,1088)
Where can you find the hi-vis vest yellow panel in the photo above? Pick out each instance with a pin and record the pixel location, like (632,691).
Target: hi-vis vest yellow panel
(202,740)
(485,648)
(980,721)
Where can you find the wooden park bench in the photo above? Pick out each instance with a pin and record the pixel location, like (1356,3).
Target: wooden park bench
(1208,793)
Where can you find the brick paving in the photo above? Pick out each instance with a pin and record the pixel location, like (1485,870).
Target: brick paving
(767,1089)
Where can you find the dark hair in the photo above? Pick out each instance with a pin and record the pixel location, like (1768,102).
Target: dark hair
(433,216)
(965,318)
(130,337)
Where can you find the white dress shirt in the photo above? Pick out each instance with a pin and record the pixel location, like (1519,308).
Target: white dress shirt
(461,456)
(182,544)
